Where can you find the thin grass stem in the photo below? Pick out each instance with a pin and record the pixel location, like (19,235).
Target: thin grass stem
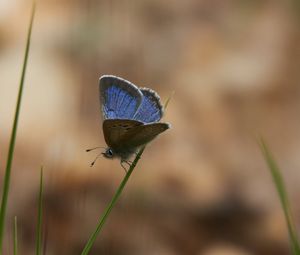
(15,236)
(6,181)
(40,217)
(282,193)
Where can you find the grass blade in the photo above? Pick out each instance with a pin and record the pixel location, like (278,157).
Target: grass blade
(107,211)
(40,217)
(15,236)
(6,181)
(280,187)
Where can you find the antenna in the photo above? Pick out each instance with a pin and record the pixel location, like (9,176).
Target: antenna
(94,161)
(99,147)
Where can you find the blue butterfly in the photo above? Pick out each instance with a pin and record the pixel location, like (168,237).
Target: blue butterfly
(131,117)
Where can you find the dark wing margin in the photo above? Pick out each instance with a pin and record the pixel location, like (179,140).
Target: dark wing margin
(151,109)
(119,98)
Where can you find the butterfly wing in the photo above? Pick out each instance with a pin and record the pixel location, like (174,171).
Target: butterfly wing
(120,99)
(116,129)
(142,134)
(125,135)
(150,109)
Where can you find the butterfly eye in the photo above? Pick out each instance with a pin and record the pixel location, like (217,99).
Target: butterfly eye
(110,152)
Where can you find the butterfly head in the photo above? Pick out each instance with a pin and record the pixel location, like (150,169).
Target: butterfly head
(108,153)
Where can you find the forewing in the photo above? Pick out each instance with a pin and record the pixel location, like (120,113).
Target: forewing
(119,98)
(115,130)
(150,109)
(142,134)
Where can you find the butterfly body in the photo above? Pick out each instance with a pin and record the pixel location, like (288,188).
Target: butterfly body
(131,116)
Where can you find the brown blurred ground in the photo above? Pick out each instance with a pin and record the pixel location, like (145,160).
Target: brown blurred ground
(202,187)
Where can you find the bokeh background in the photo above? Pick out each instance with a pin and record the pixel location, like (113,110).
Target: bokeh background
(201,188)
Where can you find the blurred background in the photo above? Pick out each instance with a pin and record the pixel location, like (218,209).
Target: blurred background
(202,187)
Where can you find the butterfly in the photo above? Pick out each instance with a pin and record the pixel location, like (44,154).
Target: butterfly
(131,117)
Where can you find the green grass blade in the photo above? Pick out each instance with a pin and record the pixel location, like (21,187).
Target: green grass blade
(279,184)
(107,211)
(40,217)
(6,181)
(15,236)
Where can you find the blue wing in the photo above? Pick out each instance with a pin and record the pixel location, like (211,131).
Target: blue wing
(150,109)
(120,99)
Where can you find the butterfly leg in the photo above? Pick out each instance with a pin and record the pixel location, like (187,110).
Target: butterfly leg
(126,162)
(122,165)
